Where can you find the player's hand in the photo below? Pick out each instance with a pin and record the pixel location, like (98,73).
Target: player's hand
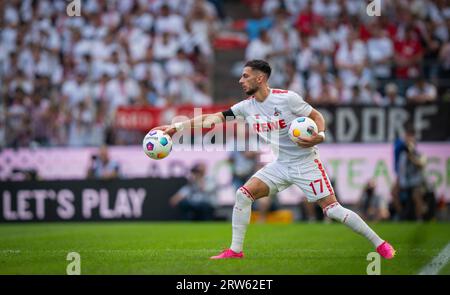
(168,129)
(306,142)
(173,202)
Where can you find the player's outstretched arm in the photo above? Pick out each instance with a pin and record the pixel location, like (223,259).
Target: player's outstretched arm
(202,121)
(318,137)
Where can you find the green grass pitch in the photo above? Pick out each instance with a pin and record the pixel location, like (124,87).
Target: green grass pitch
(184,248)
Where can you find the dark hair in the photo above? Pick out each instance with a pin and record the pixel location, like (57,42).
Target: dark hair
(198,168)
(260,65)
(409,129)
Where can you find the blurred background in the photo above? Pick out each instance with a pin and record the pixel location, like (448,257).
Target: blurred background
(81,82)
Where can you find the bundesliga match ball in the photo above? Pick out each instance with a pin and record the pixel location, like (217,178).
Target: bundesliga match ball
(157,145)
(302,127)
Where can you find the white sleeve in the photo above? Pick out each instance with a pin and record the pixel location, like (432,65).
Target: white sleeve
(239,109)
(298,106)
(410,92)
(184,192)
(431,91)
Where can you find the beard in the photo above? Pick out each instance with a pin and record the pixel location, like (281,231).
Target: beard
(251,91)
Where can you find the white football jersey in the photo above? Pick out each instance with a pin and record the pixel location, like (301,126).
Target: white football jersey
(271,120)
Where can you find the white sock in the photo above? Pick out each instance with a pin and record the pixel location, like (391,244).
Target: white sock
(241,218)
(352,220)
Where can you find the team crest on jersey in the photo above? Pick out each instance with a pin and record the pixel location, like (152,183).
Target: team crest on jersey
(277,112)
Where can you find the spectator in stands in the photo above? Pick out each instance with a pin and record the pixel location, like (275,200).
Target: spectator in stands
(283,37)
(285,43)
(369,95)
(58,131)
(351,59)
(180,71)
(330,94)
(197,42)
(168,22)
(102,166)
(392,98)
(380,52)
(306,58)
(323,43)
(432,39)
(269,7)
(307,19)
(121,90)
(408,55)
(165,47)
(16,124)
(257,22)
(75,90)
(201,95)
(149,95)
(321,85)
(371,204)
(81,127)
(260,47)
(19,81)
(148,70)
(219,6)
(365,95)
(196,200)
(344,93)
(201,20)
(294,80)
(421,92)
(38,109)
(98,90)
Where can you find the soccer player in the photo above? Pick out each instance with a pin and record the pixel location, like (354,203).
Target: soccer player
(272,110)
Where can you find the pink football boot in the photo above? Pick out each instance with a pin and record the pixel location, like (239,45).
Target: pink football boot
(386,250)
(228,253)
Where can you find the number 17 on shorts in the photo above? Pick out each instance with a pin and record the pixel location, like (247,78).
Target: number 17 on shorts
(314,181)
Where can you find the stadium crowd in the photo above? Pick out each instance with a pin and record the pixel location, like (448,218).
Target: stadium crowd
(333,52)
(62,78)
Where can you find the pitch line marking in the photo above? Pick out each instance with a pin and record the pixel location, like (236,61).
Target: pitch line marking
(438,262)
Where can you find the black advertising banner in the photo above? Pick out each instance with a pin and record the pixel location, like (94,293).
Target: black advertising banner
(90,200)
(345,124)
(222,284)
(376,124)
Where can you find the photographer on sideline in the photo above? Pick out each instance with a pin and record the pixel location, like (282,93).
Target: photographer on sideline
(102,167)
(411,179)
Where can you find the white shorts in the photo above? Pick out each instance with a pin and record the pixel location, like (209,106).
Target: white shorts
(309,175)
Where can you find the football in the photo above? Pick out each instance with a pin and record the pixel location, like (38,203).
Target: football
(157,145)
(302,127)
